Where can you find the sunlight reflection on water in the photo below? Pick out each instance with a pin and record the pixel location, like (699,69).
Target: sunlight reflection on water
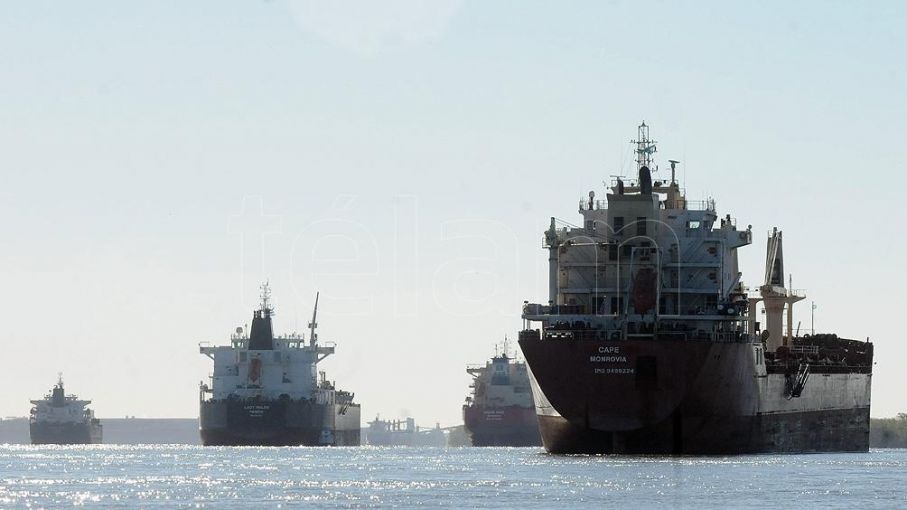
(368,477)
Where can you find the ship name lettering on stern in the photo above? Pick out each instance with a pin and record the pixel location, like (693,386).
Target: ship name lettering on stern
(612,355)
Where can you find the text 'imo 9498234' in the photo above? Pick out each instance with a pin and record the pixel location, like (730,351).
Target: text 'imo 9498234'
(266,390)
(649,341)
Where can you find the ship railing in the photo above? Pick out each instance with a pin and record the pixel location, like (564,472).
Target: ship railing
(804,349)
(616,334)
(475,370)
(595,206)
(539,309)
(293,337)
(701,205)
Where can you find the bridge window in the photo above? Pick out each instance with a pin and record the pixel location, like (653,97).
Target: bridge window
(618,224)
(617,305)
(598,303)
(640,226)
(711,303)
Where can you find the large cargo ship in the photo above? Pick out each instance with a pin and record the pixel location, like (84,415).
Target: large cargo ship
(266,390)
(500,410)
(59,418)
(650,342)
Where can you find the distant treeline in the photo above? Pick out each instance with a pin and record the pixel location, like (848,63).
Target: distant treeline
(119,431)
(888,432)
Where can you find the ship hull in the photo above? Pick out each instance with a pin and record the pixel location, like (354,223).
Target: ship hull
(801,432)
(65,433)
(236,422)
(502,426)
(672,397)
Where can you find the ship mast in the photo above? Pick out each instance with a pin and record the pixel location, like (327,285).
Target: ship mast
(266,309)
(775,297)
(645,147)
(313,337)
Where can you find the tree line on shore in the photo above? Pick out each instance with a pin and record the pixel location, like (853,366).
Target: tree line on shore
(888,432)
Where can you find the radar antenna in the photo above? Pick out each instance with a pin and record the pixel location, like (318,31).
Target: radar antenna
(673,163)
(313,337)
(645,147)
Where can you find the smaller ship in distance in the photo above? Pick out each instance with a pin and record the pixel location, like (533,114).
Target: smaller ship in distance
(404,433)
(500,411)
(59,418)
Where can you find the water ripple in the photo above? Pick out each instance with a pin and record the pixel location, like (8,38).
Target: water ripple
(194,477)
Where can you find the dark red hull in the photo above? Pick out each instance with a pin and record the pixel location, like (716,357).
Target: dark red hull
(677,397)
(502,426)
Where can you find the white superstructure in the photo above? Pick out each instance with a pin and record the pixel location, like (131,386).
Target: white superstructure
(57,407)
(289,368)
(503,381)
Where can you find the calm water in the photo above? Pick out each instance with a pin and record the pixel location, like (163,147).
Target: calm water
(195,477)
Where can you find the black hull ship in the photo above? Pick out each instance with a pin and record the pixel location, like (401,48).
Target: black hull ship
(257,422)
(266,391)
(650,345)
(59,418)
(500,411)
(65,433)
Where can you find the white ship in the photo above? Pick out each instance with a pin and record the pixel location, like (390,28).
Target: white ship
(59,418)
(266,390)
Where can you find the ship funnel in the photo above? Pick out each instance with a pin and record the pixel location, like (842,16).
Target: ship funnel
(261,336)
(59,395)
(645,181)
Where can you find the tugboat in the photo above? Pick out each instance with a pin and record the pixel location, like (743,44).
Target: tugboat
(59,418)
(266,390)
(650,344)
(500,410)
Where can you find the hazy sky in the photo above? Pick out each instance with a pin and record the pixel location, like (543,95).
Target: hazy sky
(161,159)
